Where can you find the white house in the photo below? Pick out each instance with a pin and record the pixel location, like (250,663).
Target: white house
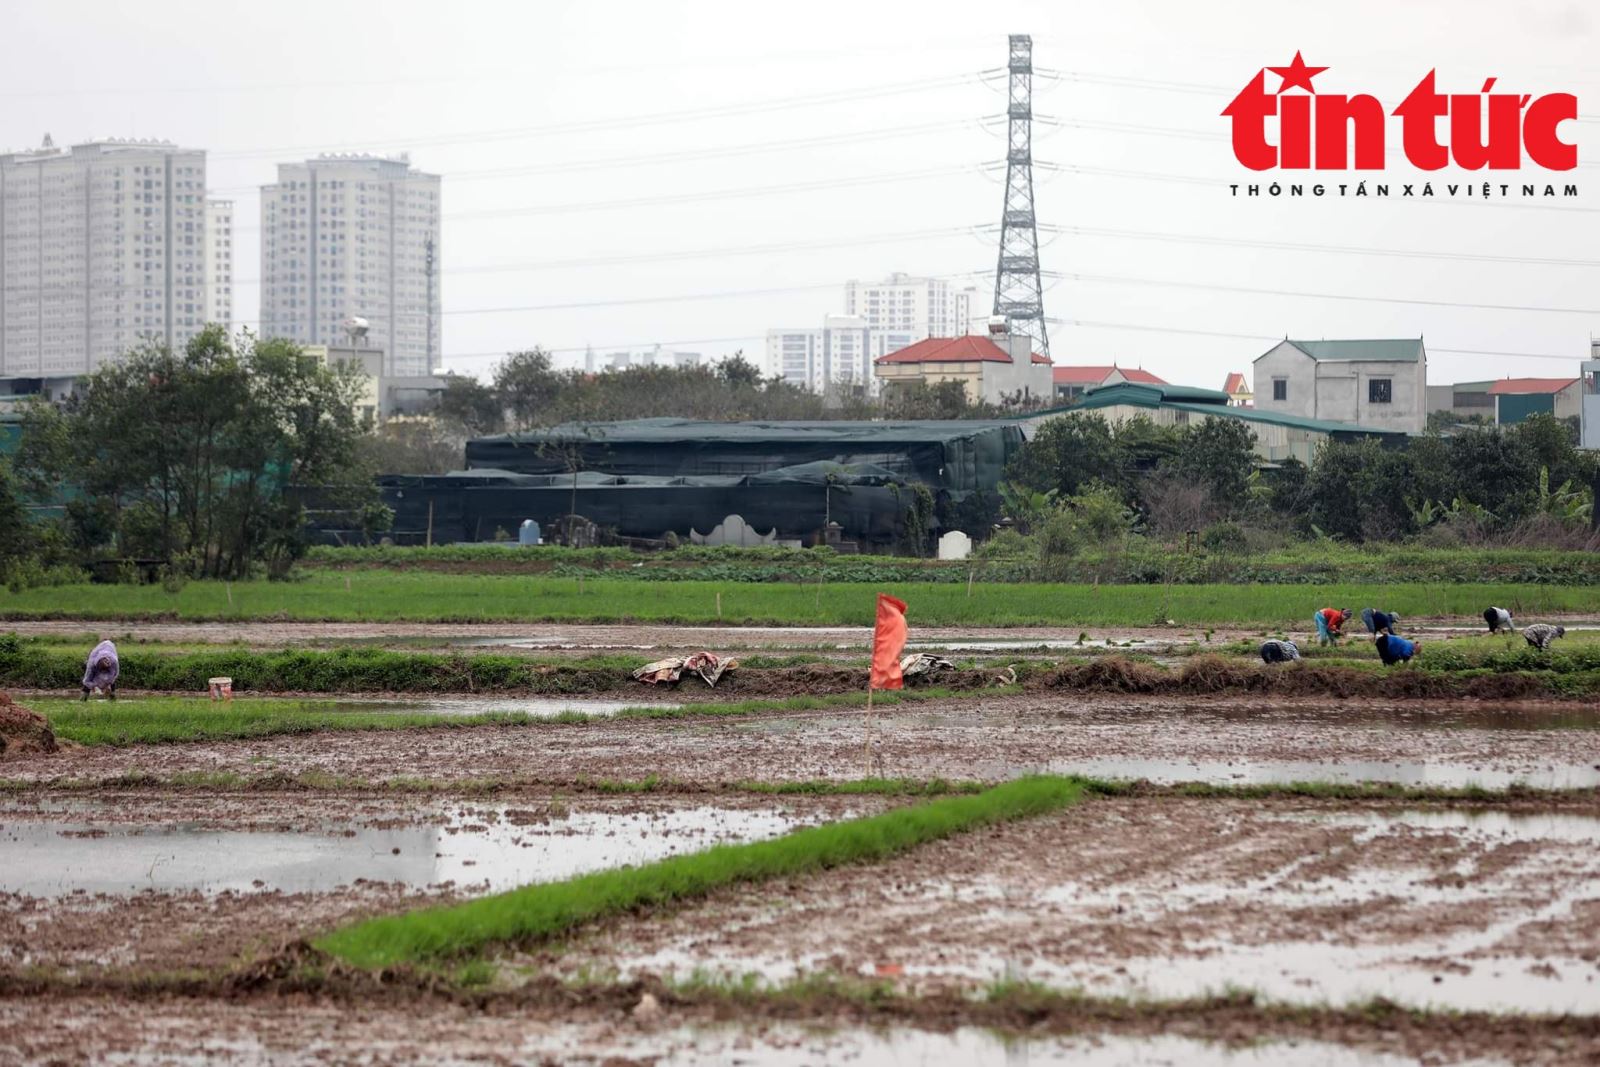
(1377,383)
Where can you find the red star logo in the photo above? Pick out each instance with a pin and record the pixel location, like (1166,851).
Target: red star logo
(1297,74)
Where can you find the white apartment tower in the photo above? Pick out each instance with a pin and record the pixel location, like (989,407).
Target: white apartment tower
(354,237)
(102,247)
(837,355)
(921,307)
(219,263)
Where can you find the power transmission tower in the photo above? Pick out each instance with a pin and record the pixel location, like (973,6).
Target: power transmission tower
(1018,295)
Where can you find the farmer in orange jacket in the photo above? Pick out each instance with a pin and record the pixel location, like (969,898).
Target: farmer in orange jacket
(1329,621)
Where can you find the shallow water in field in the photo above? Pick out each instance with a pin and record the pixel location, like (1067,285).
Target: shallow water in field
(1281,772)
(85,847)
(787,1046)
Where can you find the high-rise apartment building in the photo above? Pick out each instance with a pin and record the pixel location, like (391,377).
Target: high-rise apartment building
(347,237)
(879,318)
(219,263)
(102,247)
(836,355)
(924,307)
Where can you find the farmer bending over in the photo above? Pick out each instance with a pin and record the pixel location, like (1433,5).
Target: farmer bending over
(1380,622)
(1540,634)
(101,671)
(1328,621)
(1498,619)
(1279,652)
(1392,649)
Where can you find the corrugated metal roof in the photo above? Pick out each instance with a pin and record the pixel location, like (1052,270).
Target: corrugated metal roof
(1525,386)
(1392,350)
(1208,402)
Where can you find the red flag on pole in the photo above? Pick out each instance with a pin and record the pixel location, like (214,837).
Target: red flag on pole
(888,640)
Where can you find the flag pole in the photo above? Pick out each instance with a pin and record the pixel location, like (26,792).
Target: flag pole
(869,725)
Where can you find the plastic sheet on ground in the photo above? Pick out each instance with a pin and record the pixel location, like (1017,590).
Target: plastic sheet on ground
(708,665)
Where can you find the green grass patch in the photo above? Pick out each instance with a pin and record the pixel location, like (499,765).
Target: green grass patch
(386,595)
(540,912)
(1139,562)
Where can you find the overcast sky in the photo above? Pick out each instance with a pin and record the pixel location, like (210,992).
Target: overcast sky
(624,156)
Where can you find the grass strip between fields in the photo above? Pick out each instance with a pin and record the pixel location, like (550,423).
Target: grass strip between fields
(540,912)
(172,720)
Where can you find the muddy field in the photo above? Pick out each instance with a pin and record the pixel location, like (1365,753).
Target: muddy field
(156,900)
(1167,897)
(967,737)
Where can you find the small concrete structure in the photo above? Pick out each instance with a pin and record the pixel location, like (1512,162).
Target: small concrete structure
(733,530)
(955,545)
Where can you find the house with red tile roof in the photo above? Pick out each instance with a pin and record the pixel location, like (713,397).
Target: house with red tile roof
(1238,390)
(999,369)
(1071,382)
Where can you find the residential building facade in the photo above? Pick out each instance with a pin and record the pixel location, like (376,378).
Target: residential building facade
(1374,383)
(879,318)
(1000,369)
(102,247)
(354,236)
(918,306)
(219,263)
(838,355)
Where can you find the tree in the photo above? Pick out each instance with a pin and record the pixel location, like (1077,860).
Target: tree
(203,455)
(411,446)
(1068,453)
(16,542)
(529,387)
(1496,470)
(1219,454)
(470,408)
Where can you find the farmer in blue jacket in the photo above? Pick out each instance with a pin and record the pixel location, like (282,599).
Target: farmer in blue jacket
(1393,649)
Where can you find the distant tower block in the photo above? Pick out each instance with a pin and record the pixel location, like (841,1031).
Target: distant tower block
(1018,295)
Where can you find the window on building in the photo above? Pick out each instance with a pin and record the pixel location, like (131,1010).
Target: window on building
(1280,389)
(1380,390)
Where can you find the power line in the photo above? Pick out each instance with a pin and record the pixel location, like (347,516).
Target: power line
(1113,279)
(1144,328)
(1242,242)
(904,236)
(658,118)
(614,345)
(680,156)
(720,294)
(736,193)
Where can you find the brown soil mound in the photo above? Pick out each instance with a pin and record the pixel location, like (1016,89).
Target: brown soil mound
(23,731)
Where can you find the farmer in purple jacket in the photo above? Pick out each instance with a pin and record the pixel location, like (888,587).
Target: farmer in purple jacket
(101,671)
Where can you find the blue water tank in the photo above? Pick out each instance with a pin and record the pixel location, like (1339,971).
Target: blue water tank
(528,534)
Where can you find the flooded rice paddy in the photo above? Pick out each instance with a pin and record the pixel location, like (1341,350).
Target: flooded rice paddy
(56,849)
